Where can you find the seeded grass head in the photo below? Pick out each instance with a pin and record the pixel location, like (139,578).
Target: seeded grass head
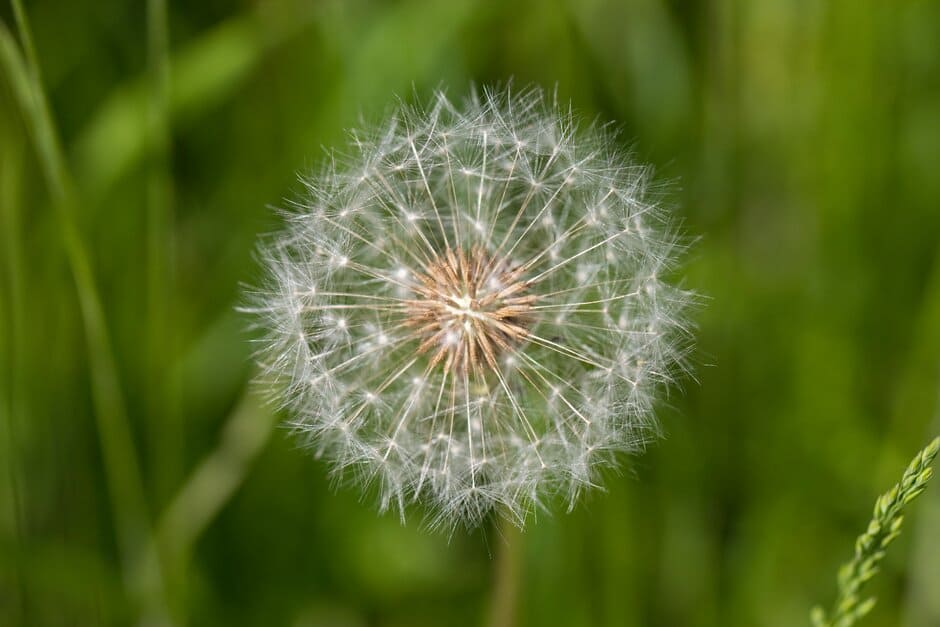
(469,309)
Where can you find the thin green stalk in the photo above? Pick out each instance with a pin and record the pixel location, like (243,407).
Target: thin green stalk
(216,478)
(919,394)
(921,604)
(870,547)
(120,460)
(13,348)
(36,109)
(209,488)
(163,416)
(507,574)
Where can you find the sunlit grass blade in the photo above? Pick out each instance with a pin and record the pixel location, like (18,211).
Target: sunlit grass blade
(120,459)
(13,407)
(164,424)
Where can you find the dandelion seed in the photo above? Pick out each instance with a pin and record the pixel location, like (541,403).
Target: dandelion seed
(468,309)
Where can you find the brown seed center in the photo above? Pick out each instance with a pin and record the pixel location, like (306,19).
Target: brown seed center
(469,308)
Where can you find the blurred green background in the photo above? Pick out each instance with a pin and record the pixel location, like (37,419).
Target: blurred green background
(143,483)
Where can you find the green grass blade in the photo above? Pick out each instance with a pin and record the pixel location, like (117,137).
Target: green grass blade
(120,459)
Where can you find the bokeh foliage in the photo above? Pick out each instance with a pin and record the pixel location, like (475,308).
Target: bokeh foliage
(800,139)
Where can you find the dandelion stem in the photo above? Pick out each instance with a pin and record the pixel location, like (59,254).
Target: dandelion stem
(507,572)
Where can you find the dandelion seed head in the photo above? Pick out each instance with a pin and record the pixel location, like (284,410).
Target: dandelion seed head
(468,311)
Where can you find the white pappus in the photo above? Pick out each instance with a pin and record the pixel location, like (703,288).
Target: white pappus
(469,309)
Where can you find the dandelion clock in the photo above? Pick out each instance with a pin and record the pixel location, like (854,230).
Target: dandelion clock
(469,308)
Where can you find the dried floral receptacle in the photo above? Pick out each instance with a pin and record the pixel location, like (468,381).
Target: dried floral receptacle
(470,308)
